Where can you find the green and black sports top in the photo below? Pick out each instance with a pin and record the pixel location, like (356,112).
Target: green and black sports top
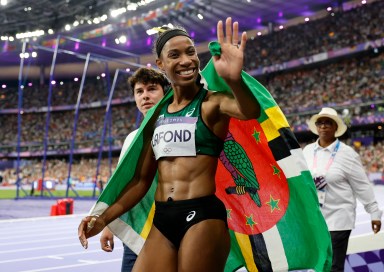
(184,133)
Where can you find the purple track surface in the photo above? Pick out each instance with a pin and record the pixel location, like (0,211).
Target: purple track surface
(33,241)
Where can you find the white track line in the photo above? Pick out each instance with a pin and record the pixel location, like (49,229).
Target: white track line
(72,266)
(39,241)
(58,256)
(42,218)
(75,245)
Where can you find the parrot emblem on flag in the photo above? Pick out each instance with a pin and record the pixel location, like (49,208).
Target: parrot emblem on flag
(236,161)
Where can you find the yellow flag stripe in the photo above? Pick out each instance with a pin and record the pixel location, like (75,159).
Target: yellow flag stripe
(246,250)
(148,223)
(277,116)
(275,122)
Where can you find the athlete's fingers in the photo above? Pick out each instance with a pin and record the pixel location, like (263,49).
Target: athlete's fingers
(243,41)
(81,233)
(228,30)
(235,38)
(220,32)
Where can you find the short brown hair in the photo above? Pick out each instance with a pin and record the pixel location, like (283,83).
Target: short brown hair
(148,75)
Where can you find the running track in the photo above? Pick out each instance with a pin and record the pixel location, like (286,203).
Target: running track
(51,244)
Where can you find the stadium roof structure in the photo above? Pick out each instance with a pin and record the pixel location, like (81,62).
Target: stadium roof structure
(20,16)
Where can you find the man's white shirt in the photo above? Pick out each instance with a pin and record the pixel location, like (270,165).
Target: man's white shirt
(346,181)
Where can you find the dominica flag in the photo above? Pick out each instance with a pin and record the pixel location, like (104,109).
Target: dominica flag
(272,208)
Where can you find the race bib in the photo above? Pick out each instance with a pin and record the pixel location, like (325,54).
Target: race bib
(174,137)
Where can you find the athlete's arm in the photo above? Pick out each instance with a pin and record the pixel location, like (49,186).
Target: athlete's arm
(136,189)
(128,198)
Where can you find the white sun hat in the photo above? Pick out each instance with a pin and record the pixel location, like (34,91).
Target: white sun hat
(329,113)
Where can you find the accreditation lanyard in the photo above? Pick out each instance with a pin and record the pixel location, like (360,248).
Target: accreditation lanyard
(330,161)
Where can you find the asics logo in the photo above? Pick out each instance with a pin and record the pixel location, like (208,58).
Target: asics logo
(190,216)
(190,112)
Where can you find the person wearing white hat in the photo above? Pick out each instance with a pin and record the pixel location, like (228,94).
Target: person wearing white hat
(339,178)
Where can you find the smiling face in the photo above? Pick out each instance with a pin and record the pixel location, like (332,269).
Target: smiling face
(147,95)
(179,61)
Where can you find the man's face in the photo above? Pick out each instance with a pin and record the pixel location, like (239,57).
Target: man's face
(147,95)
(326,127)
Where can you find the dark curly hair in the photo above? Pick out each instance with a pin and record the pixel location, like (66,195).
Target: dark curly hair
(148,75)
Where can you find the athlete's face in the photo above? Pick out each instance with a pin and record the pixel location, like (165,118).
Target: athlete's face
(147,95)
(179,61)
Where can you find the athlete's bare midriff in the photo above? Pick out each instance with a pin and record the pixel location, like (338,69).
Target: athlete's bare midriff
(186,177)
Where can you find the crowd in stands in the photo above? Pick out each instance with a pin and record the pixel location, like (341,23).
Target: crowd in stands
(372,157)
(36,95)
(89,129)
(83,170)
(343,29)
(353,85)
(351,81)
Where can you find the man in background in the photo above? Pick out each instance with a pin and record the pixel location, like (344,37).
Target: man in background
(340,179)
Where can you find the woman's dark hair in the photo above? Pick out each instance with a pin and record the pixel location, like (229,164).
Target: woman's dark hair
(148,75)
(166,33)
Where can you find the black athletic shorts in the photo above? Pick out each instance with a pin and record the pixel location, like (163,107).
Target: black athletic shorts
(174,218)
